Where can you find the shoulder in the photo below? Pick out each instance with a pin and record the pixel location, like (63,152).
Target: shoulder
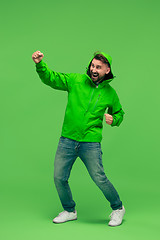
(79,77)
(110,89)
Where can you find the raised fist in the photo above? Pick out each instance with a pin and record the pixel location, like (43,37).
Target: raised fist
(37,56)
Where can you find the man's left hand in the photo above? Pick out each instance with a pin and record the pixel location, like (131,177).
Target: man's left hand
(109,119)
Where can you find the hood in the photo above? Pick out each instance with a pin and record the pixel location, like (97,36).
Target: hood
(109,77)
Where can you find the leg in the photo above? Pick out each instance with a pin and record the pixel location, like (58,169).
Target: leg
(64,159)
(91,155)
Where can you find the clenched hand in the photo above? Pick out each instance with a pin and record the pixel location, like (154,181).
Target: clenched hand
(37,56)
(109,119)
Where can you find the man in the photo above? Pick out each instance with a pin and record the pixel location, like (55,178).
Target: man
(89,95)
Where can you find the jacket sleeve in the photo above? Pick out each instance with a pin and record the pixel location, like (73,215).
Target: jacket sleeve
(56,80)
(116,111)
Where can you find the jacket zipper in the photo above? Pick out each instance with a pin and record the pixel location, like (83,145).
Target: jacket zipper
(90,100)
(96,102)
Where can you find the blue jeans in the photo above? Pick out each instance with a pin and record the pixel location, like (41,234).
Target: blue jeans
(91,155)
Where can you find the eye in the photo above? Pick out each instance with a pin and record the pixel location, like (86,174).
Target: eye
(98,67)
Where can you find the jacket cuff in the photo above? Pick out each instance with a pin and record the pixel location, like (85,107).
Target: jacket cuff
(40,64)
(114,122)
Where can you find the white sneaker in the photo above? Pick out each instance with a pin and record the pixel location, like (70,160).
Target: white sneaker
(116,217)
(65,216)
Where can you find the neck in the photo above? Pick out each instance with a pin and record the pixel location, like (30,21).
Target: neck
(99,81)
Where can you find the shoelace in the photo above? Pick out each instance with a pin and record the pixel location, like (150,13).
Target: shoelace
(115,213)
(62,213)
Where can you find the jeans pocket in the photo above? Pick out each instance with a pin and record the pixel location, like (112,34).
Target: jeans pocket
(62,140)
(62,137)
(66,143)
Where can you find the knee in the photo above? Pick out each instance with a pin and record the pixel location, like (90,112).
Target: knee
(99,178)
(59,180)
(57,176)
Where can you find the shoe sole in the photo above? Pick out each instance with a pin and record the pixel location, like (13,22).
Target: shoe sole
(114,225)
(65,221)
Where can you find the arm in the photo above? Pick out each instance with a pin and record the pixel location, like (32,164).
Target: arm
(116,111)
(60,81)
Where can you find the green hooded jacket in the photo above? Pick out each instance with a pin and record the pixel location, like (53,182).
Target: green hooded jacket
(87,102)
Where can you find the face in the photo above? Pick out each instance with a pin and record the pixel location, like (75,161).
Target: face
(98,69)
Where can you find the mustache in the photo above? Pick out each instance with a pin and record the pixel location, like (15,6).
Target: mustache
(94,73)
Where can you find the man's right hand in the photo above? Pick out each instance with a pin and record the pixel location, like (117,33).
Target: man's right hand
(37,56)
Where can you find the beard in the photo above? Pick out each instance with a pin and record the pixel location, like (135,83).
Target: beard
(96,77)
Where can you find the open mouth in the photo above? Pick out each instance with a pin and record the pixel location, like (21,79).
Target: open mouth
(94,74)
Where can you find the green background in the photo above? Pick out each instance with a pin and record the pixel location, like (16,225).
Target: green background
(68,32)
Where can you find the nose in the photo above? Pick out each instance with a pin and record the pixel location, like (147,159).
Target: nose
(93,69)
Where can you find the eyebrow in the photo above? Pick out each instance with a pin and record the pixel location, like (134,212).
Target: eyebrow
(97,65)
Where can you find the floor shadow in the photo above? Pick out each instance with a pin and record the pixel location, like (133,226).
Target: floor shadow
(94,221)
(98,221)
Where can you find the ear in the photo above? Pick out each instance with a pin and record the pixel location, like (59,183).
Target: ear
(108,70)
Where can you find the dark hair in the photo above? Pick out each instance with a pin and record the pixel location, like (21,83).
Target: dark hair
(103,59)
